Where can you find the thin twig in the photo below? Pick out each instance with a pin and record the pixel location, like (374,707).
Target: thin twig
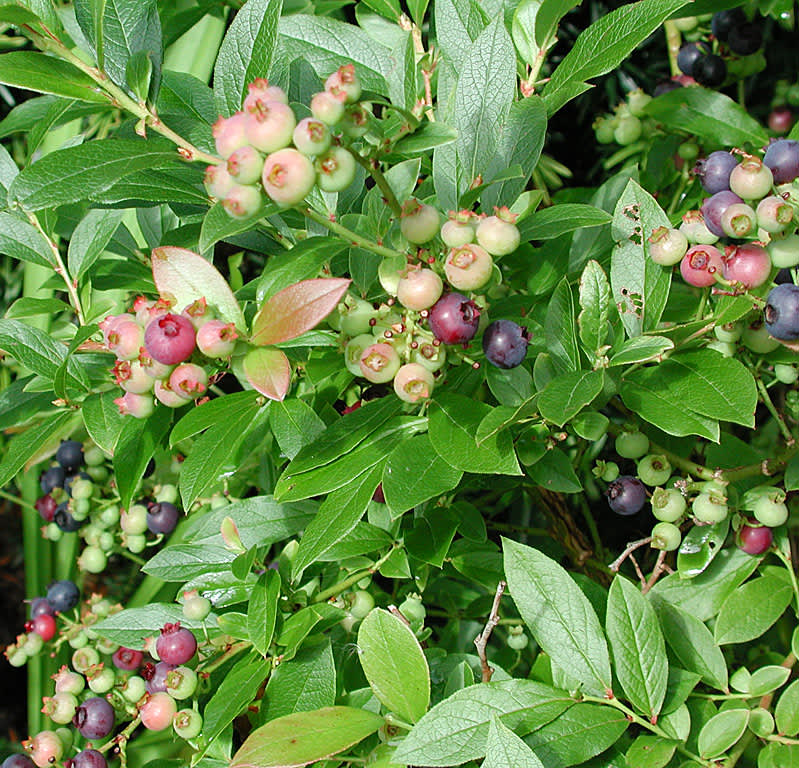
(658,569)
(481,641)
(631,547)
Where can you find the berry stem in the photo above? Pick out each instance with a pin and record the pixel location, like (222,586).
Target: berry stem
(353,578)
(349,235)
(673,42)
(18,500)
(787,562)
(382,183)
(786,432)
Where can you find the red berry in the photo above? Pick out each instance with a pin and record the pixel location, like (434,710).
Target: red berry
(748,264)
(46,506)
(170,339)
(755,540)
(453,319)
(700,265)
(176,645)
(127,659)
(45,626)
(780,120)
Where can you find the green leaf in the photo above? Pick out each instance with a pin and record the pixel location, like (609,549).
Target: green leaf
(294,424)
(566,395)
(22,241)
(213,412)
(504,748)
(90,238)
(560,219)
(768,679)
(262,610)
(75,173)
(751,609)
(483,97)
(708,115)
(595,301)
(692,643)
(640,350)
(180,274)
(455,730)
(457,25)
(512,387)
(246,52)
(453,423)
(133,626)
(102,420)
(431,536)
(554,471)
(305,737)
(36,71)
(778,755)
(559,616)
(338,514)
(559,329)
(638,647)
(722,731)
(297,309)
(394,664)
(218,224)
(388,8)
(699,547)
(650,752)
(414,473)
(640,287)
(786,712)
(548,18)
(182,562)
(302,684)
(25,446)
(604,45)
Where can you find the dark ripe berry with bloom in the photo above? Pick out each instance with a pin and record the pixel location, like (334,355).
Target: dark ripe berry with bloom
(41,606)
(626,495)
(782,312)
(505,343)
(70,455)
(723,22)
(52,478)
(63,595)
(453,319)
(162,517)
(689,54)
(87,758)
(782,157)
(745,39)
(714,171)
(710,70)
(94,718)
(18,761)
(170,339)
(176,645)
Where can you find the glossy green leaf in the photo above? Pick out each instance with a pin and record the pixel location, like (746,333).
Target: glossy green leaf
(36,71)
(294,424)
(640,349)
(722,731)
(786,712)
(262,610)
(301,738)
(565,396)
(557,220)
(559,616)
(505,748)
(650,752)
(595,304)
(751,609)
(213,412)
(22,241)
(638,647)
(767,679)
(90,238)
(182,562)
(560,329)
(394,664)
(699,546)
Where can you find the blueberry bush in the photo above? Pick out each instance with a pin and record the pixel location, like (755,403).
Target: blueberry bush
(349,422)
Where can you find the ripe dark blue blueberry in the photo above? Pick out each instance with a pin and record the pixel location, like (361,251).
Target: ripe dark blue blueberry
(88,758)
(714,171)
(626,495)
(52,478)
(723,22)
(689,54)
(70,455)
(40,606)
(710,70)
(162,517)
(94,718)
(18,761)
(64,520)
(782,312)
(63,595)
(782,157)
(505,343)
(745,39)
(453,319)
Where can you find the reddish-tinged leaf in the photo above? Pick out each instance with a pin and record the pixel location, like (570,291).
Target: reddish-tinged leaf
(269,372)
(297,309)
(305,737)
(184,277)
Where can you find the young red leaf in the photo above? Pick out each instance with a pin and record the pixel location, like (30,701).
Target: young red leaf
(184,277)
(269,372)
(297,309)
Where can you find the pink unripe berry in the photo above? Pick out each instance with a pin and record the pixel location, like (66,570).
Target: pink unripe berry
(328,107)
(45,626)
(419,222)
(148,310)
(748,264)
(245,165)
(140,406)
(667,246)
(335,170)
(311,136)
(131,376)
(774,214)
(198,312)
(157,712)
(288,176)
(700,265)
(45,748)
(67,681)
(153,368)
(125,339)
(468,267)
(750,179)
(215,338)
(218,182)
(108,324)
(167,396)
(413,382)
(60,708)
(270,125)
(419,289)
(344,82)
(498,234)
(189,380)
(230,133)
(259,89)
(169,339)
(379,363)
(458,230)
(242,202)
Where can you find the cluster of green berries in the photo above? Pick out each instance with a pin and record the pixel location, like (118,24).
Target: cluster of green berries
(165,355)
(266,149)
(435,303)
(627,123)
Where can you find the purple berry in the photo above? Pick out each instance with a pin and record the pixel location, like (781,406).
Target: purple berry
(52,478)
(782,156)
(40,606)
(714,171)
(18,761)
(453,319)
(689,54)
(782,312)
(46,507)
(64,520)
(70,455)
(626,495)
(88,758)
(63,595)
(170,339)
(162,517)
(156,677)
(127,658)
(94,718)
(710,70)
(713,207)
(505,343)
(176,645)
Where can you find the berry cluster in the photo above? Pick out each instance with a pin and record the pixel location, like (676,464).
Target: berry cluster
(434,307)
(154,344)
(265,148)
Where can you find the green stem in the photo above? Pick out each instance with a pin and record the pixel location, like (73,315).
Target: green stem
(18,500)
(353,578)
(380,180)
(786,433)
(673,42)
(347,234)
(786,561)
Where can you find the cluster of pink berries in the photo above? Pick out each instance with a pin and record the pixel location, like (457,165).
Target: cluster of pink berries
(153,344)
(106,685)
(406,338)
(265,147)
